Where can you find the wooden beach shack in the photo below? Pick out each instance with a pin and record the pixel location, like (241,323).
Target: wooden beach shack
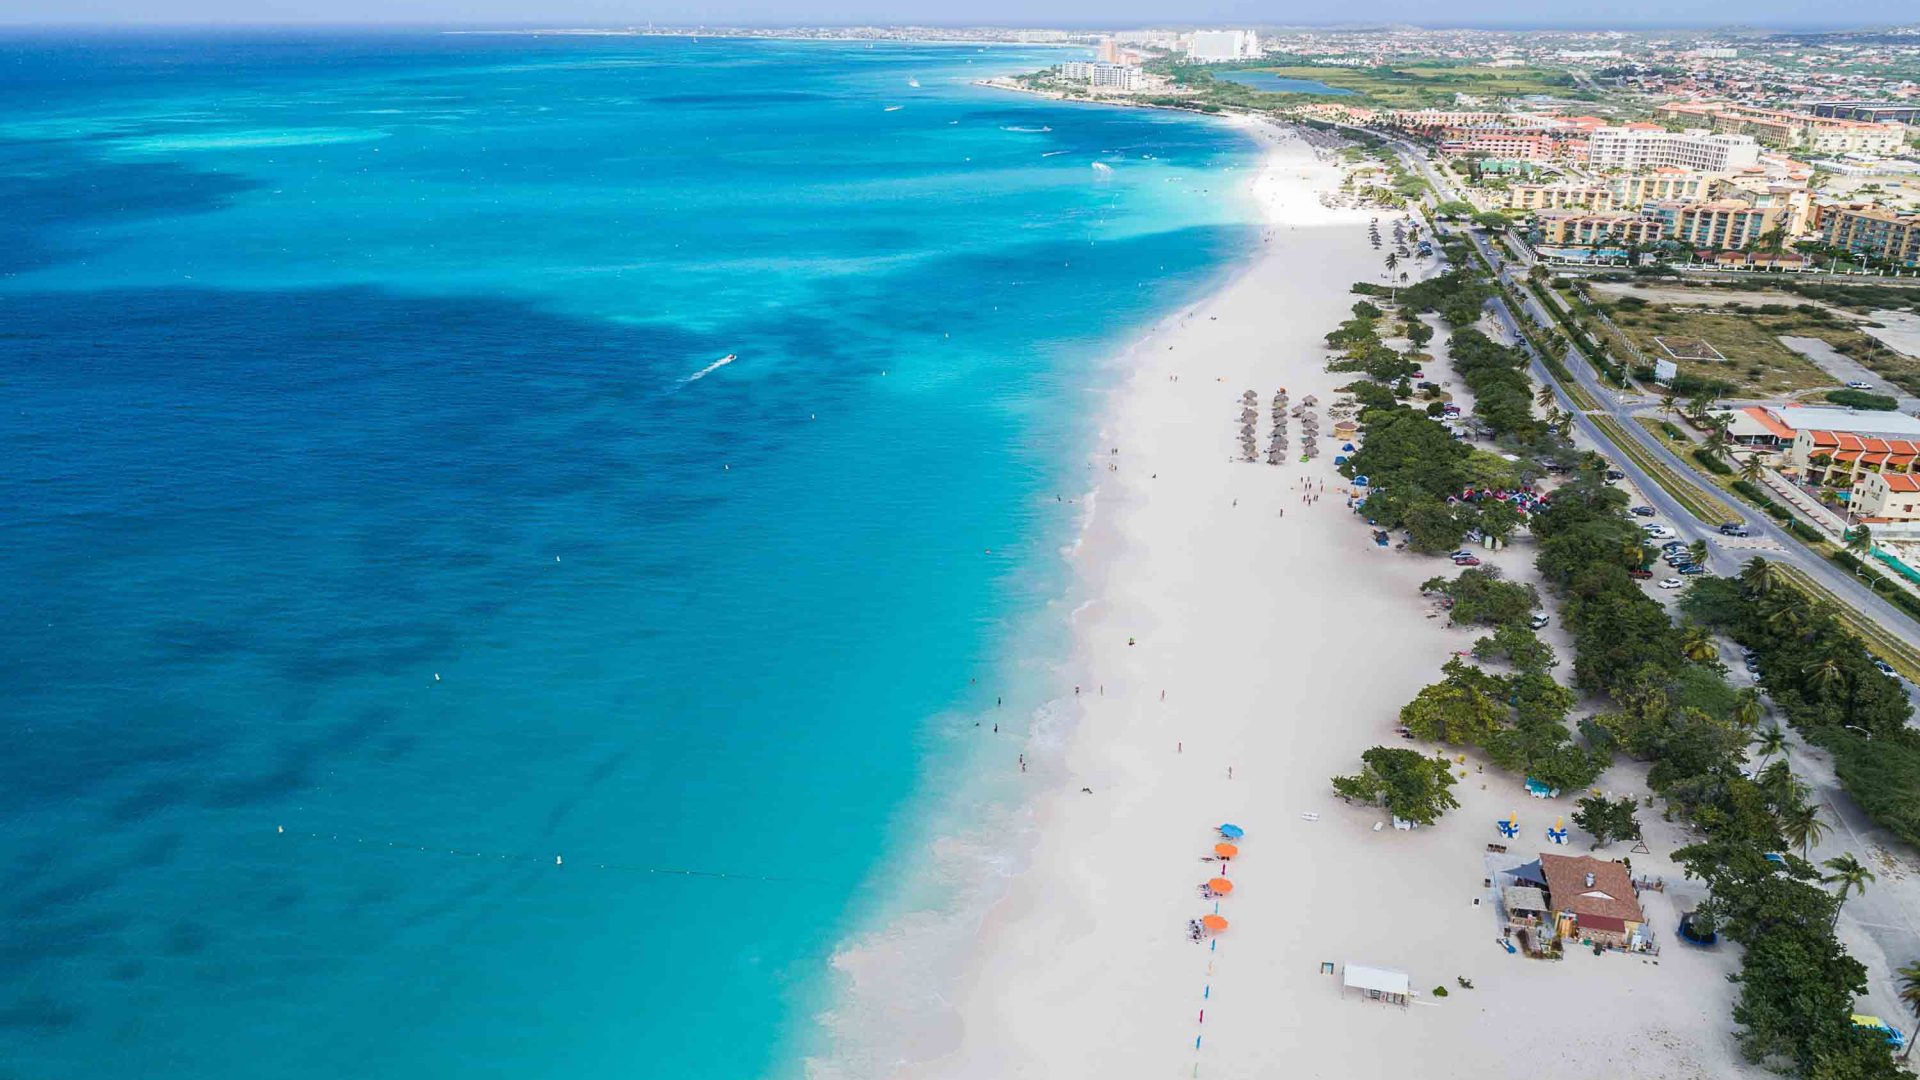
(1375,984)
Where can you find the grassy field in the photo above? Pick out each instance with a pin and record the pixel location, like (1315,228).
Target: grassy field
(1415,86)
(1756,362)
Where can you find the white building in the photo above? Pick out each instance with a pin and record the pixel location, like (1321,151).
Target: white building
(1701,151)
(1104,76)
(1215,46)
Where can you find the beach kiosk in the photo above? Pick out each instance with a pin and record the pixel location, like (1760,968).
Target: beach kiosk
(1375,984)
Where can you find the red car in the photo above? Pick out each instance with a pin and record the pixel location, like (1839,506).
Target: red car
(1466,560)
(1640,574)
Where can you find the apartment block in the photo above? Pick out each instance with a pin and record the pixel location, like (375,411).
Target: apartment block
(1720,225)
(1575,228)
(1698,151)
(1794,131)
(1613,192)
(1871,230)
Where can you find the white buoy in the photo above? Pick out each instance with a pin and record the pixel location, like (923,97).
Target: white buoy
(436,676)
(556,860)
(280,829)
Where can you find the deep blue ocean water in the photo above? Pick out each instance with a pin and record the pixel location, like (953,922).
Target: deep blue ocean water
(355,484)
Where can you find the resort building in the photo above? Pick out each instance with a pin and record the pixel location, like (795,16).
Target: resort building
(1576,228)
(1512,143)
(1635,149)
(1613,192)
(1432,121)
(1872,231)
(1592,899)
(1722,225)
(1834,447)
(1885,497)
(1800,131)
(1103,76)
(1217,46)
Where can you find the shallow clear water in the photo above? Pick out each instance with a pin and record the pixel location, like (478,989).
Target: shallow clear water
(357,485)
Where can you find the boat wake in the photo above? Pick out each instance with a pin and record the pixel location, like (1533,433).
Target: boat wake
(713,367)
(1026,130)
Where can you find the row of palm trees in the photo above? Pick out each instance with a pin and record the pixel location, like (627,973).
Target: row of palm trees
(1800,820)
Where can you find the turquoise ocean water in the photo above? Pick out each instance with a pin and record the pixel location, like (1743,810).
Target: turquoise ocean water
(356,483)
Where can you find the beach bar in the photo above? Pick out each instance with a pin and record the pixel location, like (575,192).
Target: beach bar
(1376,984)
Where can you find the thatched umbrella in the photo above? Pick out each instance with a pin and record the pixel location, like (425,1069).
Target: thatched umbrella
(1309,400)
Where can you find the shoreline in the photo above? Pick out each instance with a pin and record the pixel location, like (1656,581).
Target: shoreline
(1233,647)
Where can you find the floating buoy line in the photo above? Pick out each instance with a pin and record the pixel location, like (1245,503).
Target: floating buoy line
(558,860)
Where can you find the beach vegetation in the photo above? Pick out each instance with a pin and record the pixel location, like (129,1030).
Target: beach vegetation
(1479,597)
(1465,708)
(1413,787)
(1516,645)
(1607,820)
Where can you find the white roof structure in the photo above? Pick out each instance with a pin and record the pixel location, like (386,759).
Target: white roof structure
(1380,980)
(1851,421)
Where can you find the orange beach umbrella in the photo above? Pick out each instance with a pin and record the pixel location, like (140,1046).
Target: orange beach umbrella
(1214,923)
(1225,851)
(1220,885)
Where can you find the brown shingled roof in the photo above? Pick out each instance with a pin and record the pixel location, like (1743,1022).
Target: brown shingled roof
(1610,896)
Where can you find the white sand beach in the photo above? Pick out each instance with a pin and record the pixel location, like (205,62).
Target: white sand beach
(1285,642)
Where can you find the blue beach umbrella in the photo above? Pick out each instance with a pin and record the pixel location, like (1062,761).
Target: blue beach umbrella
(1232,832)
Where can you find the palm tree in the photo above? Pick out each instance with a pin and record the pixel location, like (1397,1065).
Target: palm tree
(1697,644)
(1715,443)
(1849,875)
(1751,469)
(1748,709)
(1860,541)
(1803,827)
(1697,551)
(1668,403)
(1760,576)
(1910,997)
(1770,742)
(1826,674)
(1393,260)
(1545,397)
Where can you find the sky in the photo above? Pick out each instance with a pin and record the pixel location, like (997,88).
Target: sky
(1513,13)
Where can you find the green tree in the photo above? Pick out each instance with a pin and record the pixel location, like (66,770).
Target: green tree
(1860,541)
(1698,646)
(1849,875)
(1910,997)
(1770,741)
(1415,787)
(1760,576)
(1463,709)
(1748,709)
(1752,469)
(1607,820)
(1803,827)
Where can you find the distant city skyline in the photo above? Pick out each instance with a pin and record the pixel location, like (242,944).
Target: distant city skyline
(1462,14)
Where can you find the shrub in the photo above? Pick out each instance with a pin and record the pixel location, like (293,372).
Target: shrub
(1861,399)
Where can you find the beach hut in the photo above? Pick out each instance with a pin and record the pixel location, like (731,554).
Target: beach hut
(1375,984)
(1345,429)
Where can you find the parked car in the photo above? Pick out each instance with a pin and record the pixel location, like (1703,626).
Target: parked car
(1671,583)
(1640,575)
(1886,668)
(1661,533)
(1735,528)
(1690,569)
(1642,511)
(1672,546)
(1615,474)
(1856,384)
(1466,561)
